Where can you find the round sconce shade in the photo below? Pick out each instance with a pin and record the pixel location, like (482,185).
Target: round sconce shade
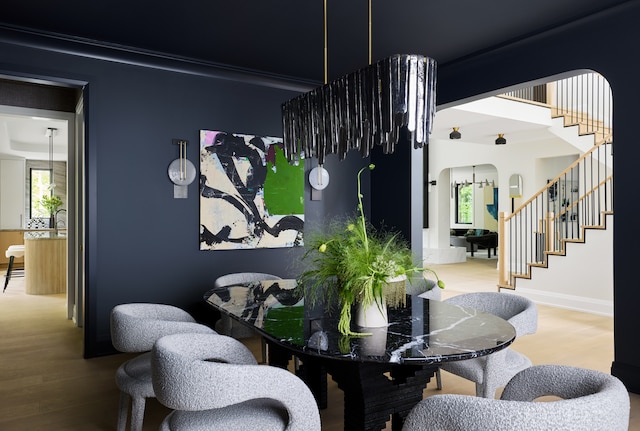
(319,178)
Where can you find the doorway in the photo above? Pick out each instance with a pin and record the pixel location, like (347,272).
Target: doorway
(21,140)
(540,142)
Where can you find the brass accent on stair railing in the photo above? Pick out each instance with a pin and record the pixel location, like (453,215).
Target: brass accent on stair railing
(576,199)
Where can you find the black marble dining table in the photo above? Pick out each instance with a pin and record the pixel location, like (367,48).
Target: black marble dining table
(382,374)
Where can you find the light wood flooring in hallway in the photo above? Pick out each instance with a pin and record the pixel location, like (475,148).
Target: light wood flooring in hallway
(45,384)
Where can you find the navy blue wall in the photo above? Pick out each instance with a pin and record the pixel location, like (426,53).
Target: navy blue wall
(143,245)
(603,44)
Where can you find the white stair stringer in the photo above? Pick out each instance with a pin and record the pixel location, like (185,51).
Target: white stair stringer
(580,280)
(571,135)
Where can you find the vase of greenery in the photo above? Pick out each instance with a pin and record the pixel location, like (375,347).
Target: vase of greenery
(51,205)
(353,262)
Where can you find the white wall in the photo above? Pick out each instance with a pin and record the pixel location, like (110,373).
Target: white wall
(507,159)
(565,283)
(588,289)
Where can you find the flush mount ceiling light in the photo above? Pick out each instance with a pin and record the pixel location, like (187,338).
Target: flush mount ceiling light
(455,134)
(390,101)
(500,140)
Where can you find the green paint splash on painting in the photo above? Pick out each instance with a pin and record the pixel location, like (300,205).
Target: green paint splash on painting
(284,186)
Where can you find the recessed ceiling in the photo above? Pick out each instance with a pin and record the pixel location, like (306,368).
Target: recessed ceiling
(25,136)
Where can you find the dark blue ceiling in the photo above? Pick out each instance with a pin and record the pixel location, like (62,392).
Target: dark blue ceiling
(285,37)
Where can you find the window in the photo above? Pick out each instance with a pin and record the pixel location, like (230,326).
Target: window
(464,204)
(40,187)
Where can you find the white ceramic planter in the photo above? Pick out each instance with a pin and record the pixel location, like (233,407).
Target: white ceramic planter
(372,316)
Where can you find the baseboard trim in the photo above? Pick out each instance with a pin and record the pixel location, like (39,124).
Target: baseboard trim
(570,302)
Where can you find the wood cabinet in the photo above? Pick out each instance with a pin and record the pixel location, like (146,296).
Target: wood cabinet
(12,194)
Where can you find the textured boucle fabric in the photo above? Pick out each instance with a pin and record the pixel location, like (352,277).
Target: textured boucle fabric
(495,370)
(215,373)
(226,325)
(521,312)
(136,327)
(261,414)
(593,401)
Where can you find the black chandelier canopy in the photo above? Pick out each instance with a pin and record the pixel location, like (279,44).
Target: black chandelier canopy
(386,102)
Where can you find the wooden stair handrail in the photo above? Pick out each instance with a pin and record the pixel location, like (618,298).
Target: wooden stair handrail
(556,179)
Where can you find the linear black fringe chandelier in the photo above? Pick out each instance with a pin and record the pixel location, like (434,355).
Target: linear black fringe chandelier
(386,102)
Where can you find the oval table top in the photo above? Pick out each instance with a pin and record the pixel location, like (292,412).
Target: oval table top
(425,331)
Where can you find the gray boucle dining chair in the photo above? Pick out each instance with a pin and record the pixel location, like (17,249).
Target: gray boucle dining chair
(588,400)
(493,371)
(213,381)
(134,329)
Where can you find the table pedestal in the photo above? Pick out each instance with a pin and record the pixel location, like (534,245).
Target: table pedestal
(373,392)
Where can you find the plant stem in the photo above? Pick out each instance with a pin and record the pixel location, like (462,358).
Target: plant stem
(362,219)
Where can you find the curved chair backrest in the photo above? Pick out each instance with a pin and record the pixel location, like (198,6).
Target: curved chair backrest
(243,277)
(521,312)
(136,327)
(592,400)
(196,372)
(428,289)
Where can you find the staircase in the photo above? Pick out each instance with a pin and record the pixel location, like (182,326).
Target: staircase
(578,200)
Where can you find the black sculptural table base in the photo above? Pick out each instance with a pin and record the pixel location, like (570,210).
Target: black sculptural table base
(373,392)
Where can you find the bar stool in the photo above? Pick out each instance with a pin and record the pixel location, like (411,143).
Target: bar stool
(12,252)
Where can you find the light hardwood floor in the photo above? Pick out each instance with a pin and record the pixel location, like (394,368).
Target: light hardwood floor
(45,384)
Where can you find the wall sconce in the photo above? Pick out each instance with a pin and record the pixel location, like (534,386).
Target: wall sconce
(430,183)
(318,180)
(181,171)
(501,140)
(455,134)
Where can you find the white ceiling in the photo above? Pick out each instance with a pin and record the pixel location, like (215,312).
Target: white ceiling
(25,136)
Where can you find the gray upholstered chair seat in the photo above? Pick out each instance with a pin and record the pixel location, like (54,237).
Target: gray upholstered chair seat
(134,329)
(480,370)
(261,414)
(133,376)
(206,377)
(589,400)
(494,371)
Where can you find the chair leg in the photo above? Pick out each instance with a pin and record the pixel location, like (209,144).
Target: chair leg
(438,379)
(137,413)
(265,358)
(7,277)
(123,411)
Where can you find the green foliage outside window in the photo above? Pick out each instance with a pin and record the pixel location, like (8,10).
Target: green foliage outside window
(40,188)
(464,204)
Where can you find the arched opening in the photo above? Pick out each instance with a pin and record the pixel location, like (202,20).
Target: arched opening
(547,128)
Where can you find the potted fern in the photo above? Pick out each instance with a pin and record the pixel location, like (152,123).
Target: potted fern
(355,263)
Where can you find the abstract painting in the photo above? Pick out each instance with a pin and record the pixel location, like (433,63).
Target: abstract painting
(250,196)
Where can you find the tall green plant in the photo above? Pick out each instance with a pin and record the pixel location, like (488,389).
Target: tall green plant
(51,204)
(352,261)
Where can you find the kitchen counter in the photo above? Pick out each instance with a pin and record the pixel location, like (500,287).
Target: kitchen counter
(45,262)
